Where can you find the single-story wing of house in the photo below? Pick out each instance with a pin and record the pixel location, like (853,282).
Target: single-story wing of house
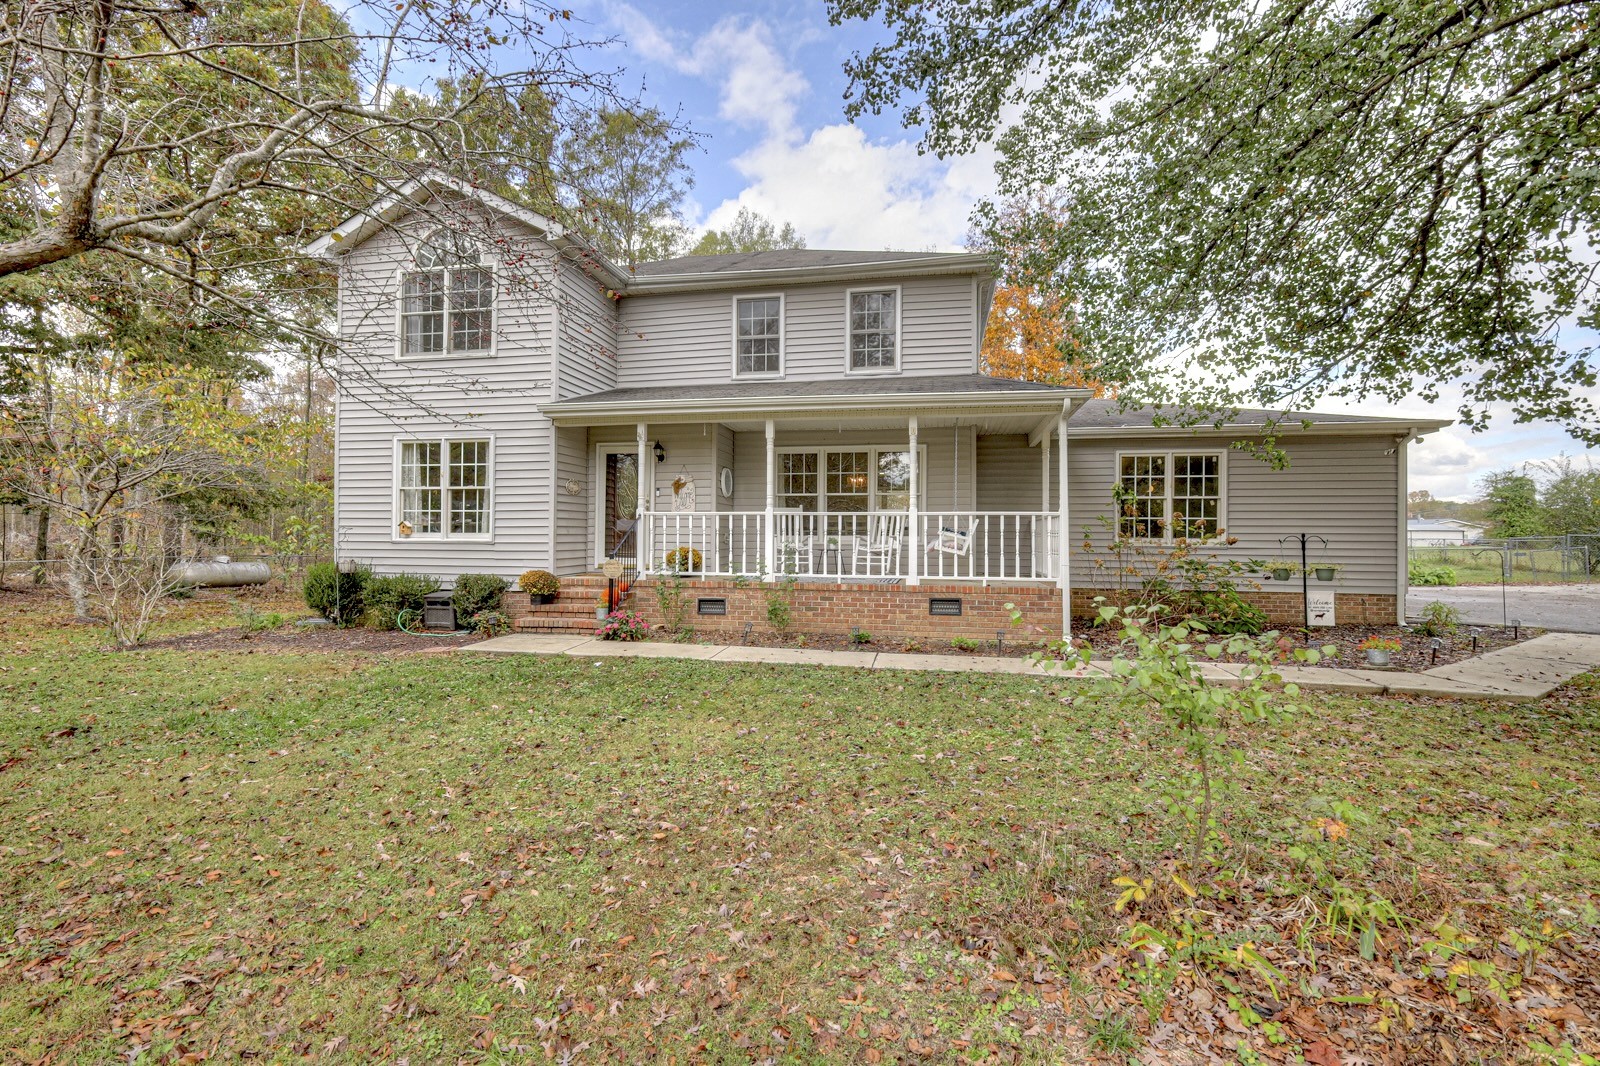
(510,400)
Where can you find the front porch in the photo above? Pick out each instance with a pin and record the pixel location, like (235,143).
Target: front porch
(891,481)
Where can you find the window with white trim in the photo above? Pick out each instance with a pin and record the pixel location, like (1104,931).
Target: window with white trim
(758,335)
(847,480)
(443,488)
(874,329)
(1168,495)
(447,302)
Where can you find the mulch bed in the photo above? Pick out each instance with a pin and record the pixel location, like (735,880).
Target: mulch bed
(1416,652)
(315,639)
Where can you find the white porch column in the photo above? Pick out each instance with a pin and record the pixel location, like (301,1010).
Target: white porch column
(914,517)
(1063,559)
(647,482)
(769,547)
(1044,470)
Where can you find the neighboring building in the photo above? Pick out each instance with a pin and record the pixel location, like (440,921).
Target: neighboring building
(1442,532)
(510,400)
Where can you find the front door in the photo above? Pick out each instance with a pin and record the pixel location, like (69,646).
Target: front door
(620,504)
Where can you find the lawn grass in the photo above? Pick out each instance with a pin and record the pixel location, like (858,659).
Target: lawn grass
(462,858)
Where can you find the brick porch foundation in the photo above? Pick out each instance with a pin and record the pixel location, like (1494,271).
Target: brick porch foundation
(904,611)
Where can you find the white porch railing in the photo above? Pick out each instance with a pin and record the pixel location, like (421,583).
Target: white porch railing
(970,546)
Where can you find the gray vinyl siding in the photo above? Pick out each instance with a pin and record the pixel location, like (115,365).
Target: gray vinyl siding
(1345,489)
(574,512)
(687,338)
(385,398)
(588,328)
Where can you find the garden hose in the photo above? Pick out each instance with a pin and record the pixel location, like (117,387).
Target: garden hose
(411,614)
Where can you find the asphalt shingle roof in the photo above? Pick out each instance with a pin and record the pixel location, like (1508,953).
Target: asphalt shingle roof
(783,259)
(1105,414)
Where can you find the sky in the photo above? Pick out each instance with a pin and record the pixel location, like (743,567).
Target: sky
(763,83)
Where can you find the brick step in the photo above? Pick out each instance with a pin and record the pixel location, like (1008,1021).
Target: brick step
(557,610)
(555,625)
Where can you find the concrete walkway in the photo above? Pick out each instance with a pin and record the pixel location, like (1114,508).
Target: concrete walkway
(1528,671)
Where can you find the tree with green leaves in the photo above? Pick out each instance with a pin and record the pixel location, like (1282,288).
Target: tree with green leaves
(1270,203)
(625,174)
(750,232)
(1513,508)
(1570,496)
(209,142)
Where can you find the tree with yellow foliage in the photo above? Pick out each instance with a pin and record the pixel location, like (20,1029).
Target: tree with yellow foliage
(1030,334)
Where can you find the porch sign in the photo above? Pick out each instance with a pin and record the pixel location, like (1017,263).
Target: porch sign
(1319,606)
(612,568)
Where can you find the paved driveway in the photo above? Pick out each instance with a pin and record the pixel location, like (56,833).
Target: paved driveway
(1563,608)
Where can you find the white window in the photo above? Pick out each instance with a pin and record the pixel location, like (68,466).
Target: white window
(1168,495)
(757,335)
(874,329)
(442,489)
(447,302)
(847,480)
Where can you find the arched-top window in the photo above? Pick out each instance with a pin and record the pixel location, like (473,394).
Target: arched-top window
(447,302)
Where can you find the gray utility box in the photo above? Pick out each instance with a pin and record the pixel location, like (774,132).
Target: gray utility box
(437,612)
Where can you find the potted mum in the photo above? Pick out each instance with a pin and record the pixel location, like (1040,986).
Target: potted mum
(1379,649)
(541,586)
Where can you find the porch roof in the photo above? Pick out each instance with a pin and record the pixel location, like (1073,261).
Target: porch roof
(1007,406)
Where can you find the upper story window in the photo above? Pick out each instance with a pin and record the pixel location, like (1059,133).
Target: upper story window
(874,329)
(447,302)
(758,335)
(1167,495)
(442,489)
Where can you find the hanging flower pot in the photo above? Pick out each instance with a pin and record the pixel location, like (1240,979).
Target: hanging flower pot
(1280,569)
(1326,571)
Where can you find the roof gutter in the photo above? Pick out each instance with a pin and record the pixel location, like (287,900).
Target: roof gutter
(1412,427)
(576,414)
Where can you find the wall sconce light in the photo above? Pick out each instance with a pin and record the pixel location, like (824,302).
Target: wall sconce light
(661,453)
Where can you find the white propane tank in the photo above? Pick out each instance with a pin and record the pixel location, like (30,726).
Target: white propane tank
(223,574)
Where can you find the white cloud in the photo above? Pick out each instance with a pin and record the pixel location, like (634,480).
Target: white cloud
(839,188)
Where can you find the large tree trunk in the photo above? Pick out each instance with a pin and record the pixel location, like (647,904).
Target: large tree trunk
(77,571)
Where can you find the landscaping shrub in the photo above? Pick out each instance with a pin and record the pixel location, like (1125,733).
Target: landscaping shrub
(539,583)
(1439,620)
(386,597)
(489,623)
(476,593)
(1431,575)
(623,625)
(337,597)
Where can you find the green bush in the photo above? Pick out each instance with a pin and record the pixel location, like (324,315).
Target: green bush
(1438,620)
(1431,575)
(387,596)
(337,597)
(476,593)
(489,623)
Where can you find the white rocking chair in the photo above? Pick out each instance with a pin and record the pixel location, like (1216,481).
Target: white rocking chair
(880,548)
(793,543)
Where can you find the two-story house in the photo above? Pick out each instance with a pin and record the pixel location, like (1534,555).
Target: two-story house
(510,400)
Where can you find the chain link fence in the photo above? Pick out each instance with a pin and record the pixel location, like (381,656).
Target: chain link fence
(1570,559)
